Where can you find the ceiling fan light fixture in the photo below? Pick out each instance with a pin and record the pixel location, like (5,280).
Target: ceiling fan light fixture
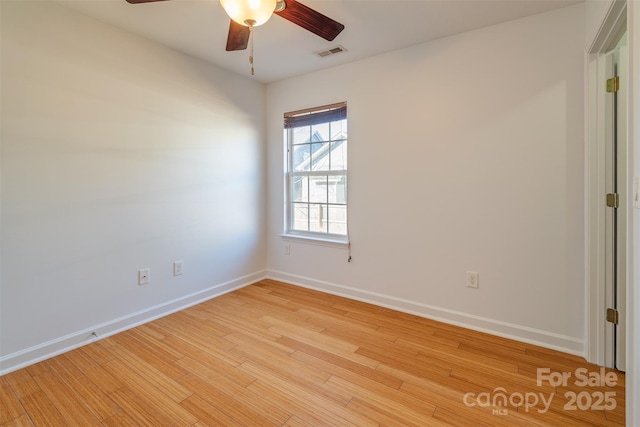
(250,13)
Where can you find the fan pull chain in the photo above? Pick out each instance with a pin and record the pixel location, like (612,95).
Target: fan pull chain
(251,47)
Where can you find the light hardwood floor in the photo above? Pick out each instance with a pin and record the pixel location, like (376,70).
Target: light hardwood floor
(273,354)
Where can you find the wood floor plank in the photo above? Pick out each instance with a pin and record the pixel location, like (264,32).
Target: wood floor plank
(274,354)
(327,408)
(140,393)
(375,414)
(138,369)
(151,354)
(192,330)
(391,402)
(21,383)
(85,390)
(344,328)
(339,347)
(98,352)
(255,324)
(281,364)
(387,419)
(147,410)
(213,383)
(296,421)
(65,400)
(42,411)
(269,302)
(243,414)
(94,371)
(39,368)
(425,367)
(478,339)
(190,322)
(208,413)
(203,350)
(147,330)
(303,413)
(154,345)
(455,357)
(308,377)
(259,341)
(307,298)
(335,365)
(10,406)
(219,368)
(121,419)
(21,421)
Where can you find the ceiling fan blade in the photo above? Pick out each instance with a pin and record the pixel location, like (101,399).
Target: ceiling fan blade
(238,37)
(142,1)
(311,20)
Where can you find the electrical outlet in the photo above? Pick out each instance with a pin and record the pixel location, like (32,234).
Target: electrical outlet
(177,268)
(472,279)
(144,276)
(287,249)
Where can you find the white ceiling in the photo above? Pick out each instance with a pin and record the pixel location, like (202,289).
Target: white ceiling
(282,49)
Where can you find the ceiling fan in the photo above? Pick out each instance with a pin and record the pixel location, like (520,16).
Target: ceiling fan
(246,14)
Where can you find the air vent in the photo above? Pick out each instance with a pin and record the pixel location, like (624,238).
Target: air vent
(332,51)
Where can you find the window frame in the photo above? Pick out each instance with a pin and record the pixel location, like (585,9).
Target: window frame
(318,237)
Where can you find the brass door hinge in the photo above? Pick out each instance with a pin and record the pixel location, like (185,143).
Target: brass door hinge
(613,84)
(613,200)
(612,316)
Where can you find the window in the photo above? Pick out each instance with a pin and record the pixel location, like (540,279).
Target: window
(317,172)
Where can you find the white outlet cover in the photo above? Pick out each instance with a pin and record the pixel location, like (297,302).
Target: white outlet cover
(177,268)
(144,276)
(472,279)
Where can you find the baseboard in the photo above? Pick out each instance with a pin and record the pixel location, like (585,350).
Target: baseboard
(37,353)
(538,337)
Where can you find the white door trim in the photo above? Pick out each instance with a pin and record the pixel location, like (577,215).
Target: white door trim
(613,26)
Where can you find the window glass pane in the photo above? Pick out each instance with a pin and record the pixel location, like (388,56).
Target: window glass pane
(337,219)
(318,218)
(337,192)
(320,156)
(318,189)
(338,155)
(300,216)
(320,132)
(301,134)
(301,157)
(339,130)
(317,170)
(300,189)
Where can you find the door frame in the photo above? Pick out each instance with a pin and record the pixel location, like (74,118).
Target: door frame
(610,32)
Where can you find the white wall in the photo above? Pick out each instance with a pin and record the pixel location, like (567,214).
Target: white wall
(465,153)
(118,154)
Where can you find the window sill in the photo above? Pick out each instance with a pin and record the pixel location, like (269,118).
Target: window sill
(317,240)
